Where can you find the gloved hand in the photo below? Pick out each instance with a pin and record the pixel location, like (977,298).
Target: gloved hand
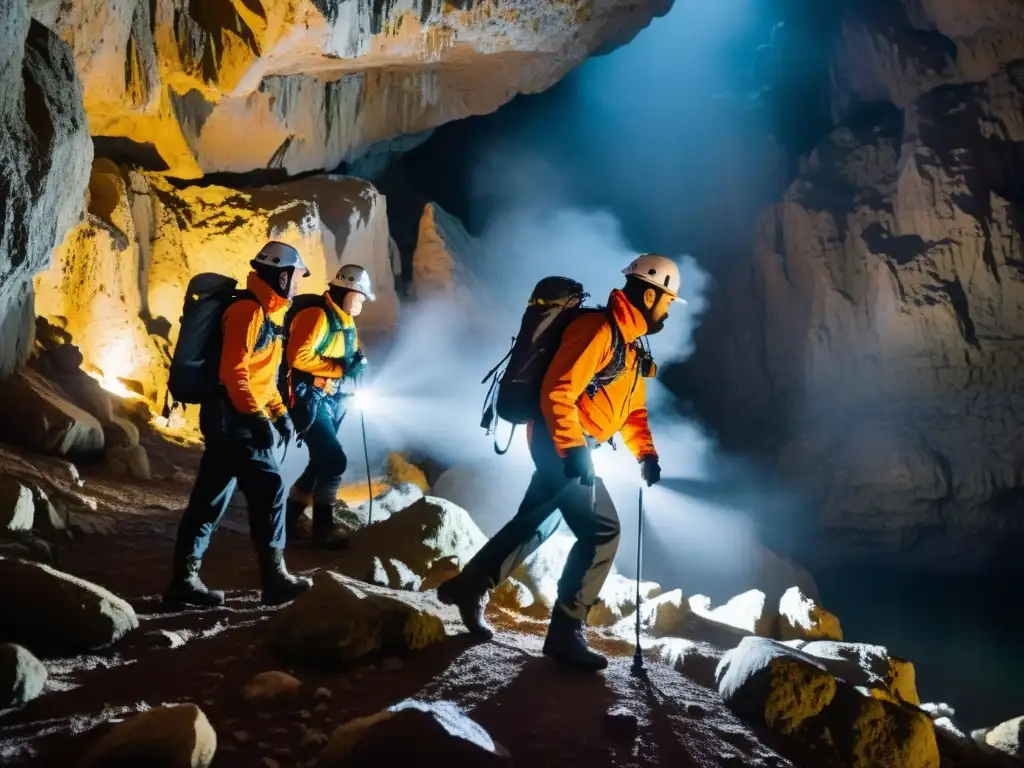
(285,429)
(650,470)
(262,432)
(356,366)
(578,463)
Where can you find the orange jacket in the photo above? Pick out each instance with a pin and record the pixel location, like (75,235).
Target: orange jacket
(586,348)
(309,330)
(250,376)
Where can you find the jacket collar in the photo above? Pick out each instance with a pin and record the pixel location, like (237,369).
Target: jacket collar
(273,304)
(346,319)
(627,317)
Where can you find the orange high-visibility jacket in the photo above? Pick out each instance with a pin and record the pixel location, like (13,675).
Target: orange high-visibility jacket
(586,348)
(309,331)
(250,375)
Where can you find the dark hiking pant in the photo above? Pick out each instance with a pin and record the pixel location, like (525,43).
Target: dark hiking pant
(229,461)
(589,515)
(318,419)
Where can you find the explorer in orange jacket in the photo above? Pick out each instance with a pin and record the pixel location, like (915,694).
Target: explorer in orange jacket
(578,413)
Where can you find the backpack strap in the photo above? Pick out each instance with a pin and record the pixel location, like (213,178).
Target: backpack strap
(335,325)
(269,332)
(616,365)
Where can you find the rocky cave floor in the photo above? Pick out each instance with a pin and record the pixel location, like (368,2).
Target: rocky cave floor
(541,713)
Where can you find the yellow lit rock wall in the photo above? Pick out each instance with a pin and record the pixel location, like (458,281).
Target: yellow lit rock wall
(309,83)
(118,281)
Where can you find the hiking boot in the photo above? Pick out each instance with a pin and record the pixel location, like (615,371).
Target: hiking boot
(471,604)
(567,644)
(279,586)
(187,589)
(327,535)
(293,513)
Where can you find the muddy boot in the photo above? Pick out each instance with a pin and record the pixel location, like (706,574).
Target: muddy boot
(327,535)
(187,589)
(567,644)
(471,602)
(293,512)
(279,586)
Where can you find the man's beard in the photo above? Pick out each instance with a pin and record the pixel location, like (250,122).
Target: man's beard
(655,326)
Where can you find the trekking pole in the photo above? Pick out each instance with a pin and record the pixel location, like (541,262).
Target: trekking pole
(638,656)
(366,458)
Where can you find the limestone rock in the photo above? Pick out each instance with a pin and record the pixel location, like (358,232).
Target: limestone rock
(315,83)
(340,620)
(800,618)
(783,688)
(400,471)
(23,545)
(1007,737)
(412,540)
(22,676)
(45,151)
(750,612)
(49,611)
(353,508)
(271,686)
(17,505)
(177,736)
(877,327)
(143,239)
(869,666)
(444,251)
(133,461)
(618,599)
(695,659)
(405,733)
(35,415)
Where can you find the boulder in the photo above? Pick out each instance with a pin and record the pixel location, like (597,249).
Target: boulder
(22,676)
(401,550)
(48,517)
(267,687)
(35,415)
(177,736)
(340,620)
(48,611)
(400,471)
(618,599)
(23,545)
(1007,737)
(696,660)
(130,461)
(353,509)
(324,84)
(45,151)
(800,618)
(869,666)
(406,733)
(750,612)
(770,683)
(17,505)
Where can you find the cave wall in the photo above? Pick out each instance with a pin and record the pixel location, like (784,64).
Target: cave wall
(872,342)
(310,83)
(45,153)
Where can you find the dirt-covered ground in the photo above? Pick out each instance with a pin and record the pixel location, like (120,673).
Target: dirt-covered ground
(541,713)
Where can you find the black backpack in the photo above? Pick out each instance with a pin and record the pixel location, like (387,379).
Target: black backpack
(195,366)
(514,393)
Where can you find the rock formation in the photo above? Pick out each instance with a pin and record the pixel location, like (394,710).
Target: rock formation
(45,154)
(878,325)
(118,281)
(312,83)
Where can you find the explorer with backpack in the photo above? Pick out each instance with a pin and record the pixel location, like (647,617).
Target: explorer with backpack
(575,378)
(227,360)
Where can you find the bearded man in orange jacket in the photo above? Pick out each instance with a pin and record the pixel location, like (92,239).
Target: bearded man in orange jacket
(578,413)
(240,424)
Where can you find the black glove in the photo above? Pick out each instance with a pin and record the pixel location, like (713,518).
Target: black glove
(650,470)
(578,463)
(356,366)
(285,429)
(262,432)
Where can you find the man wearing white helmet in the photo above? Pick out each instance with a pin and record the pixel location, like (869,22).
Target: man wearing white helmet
(240,425)
(580,409)
(323,353)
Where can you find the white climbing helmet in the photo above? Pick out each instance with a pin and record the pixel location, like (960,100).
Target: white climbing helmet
(281,256)
(355,278)
(659,271)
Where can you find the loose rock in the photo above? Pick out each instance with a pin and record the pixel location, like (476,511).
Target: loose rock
(22,676)
(17,506)
(178,736)
(270,687)
(800,618)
